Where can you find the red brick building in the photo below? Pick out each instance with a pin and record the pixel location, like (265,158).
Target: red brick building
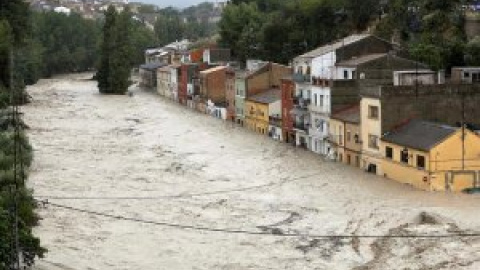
(288,92)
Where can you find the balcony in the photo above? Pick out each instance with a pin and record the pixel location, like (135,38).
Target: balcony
(301,78)
(303,126)
(275,120)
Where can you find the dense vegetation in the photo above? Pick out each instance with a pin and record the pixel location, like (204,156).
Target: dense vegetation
(191,23)
(14,34)
(429,30)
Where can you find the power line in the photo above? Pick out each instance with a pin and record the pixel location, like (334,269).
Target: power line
(274,233)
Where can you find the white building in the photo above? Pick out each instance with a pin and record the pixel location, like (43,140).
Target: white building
(314,75)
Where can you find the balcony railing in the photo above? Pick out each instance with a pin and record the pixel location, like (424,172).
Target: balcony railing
(301,126)
(275,120)
(301,78)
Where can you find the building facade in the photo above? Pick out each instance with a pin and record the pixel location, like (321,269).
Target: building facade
(432,156)
(315,73)
(345,136)
(262,112)
(164,81)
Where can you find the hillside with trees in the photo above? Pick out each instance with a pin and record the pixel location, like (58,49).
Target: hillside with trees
(428,30)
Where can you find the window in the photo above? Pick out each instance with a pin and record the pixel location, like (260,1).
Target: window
(349,136)
(373,141)
(373,112)
(315,99)
(345,74)
(389,152)
(420,162)
(321,100)
(466,74)
(404,156)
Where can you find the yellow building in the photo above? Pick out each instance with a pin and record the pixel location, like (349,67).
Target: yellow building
(432,156)
(345,137)
(259,108)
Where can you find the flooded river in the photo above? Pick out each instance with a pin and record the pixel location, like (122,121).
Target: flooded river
(164,187)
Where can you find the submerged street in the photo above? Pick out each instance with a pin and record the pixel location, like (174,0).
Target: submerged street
(198,193)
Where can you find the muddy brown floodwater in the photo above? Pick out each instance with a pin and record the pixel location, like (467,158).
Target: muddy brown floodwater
(146,158)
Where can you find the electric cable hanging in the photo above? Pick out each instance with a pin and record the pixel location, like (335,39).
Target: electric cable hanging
(251,232)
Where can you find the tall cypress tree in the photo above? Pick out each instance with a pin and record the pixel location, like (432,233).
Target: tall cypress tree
(121,60)
(106,47)
(116,53)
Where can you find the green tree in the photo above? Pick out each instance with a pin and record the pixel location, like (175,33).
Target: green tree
(121,56)
(472,52)
(106,48)
(115,53)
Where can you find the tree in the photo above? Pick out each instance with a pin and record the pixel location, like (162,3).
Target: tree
(115,53)
(121,56)
(472,52)
(106,47)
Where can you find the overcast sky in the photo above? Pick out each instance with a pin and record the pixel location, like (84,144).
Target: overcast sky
(174,3)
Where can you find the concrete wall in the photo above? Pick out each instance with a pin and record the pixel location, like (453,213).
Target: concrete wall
(438,103)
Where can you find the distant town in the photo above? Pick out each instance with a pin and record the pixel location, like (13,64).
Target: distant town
(94,9)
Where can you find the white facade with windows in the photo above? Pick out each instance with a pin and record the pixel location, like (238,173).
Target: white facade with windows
(315,89)
(319,109)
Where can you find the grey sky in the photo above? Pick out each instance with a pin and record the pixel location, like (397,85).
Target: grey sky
(174,3)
